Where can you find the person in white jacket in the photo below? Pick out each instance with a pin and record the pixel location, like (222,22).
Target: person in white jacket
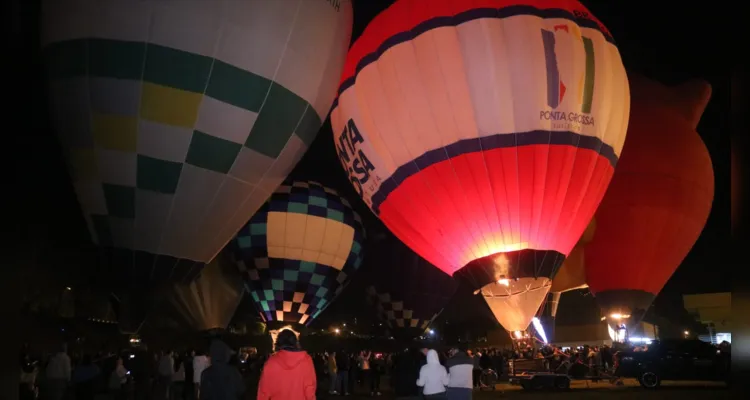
(433,377)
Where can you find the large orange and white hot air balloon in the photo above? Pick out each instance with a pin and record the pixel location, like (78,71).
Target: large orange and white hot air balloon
(484,134)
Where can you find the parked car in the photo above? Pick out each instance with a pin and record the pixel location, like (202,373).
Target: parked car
(674,360)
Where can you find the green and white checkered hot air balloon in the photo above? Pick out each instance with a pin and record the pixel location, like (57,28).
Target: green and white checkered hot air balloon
(178,119)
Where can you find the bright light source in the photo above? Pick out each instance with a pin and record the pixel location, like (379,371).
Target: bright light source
(337,330)
(504,282)
(539,328)
(518,334)
(687,333)
(604,318)
(68,288)
(344,325)
(432,332)
(616,316)
(132,356)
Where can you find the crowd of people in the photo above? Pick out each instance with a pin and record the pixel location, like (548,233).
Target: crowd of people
(291,373)
(131,374)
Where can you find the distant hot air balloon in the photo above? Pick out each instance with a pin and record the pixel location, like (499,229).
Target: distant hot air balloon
(657,204)
(179,118)
(208,303)
(407,291)
(299,251)
(484,134)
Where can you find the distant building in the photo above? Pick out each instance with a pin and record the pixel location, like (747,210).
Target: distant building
(712,310)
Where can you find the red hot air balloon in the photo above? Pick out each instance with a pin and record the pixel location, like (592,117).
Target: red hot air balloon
(658,202)
(484,134)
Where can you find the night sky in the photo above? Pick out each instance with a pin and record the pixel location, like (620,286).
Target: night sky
(671,45)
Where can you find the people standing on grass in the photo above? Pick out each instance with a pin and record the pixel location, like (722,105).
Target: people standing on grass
(433,377)
(289,374)
(460,374)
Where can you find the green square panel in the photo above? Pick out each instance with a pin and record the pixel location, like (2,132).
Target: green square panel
(321,304)
(116,58)
(66,59)
(264,305)
(258,229)
(101,228)
(335,215)
(277,284)
(158,175)
(176,68)
(237,87)
(309,126)
(306,266)
(356,247)
(244,242)
(120,200)
(290,275)
(316,279)
(269,294)
(210,152)
(299,208)
(321,292)
(318,201)
(255,296)
(276,122)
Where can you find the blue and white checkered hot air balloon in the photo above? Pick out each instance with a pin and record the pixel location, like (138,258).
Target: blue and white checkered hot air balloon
(299,251)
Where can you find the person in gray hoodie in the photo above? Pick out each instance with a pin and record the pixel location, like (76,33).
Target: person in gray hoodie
(221,381)
(460,370)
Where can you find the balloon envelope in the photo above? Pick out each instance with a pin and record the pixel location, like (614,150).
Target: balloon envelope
(407,291)
(299,251)
(658,202)
(209,302)
(179,118)
(475,129)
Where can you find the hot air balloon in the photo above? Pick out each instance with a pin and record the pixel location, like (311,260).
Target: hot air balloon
(407,291)
(657,204)
(208,303)
(484,134)
(179,118)
(298,252)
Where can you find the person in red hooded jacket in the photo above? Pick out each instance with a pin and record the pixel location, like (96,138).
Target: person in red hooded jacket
(289,374)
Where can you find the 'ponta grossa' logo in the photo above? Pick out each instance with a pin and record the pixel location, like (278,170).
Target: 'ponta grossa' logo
(570,85)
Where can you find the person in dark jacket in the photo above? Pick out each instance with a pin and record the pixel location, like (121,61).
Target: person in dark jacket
(343,365)
(221,381)
(460,373)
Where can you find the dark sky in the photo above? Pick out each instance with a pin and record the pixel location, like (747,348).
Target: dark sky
(671,45)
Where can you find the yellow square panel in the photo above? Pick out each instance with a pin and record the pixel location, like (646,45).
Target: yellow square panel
(169,106)
(303,308)
(115,132)
(414,323)
(275,228)
(298,297)
(314,230)
(293,253)
(83,163)
(310,255)
(287,307)
(279,315)
(329,260)
(275,252)
(407,314)
(303,319)
(296,229)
